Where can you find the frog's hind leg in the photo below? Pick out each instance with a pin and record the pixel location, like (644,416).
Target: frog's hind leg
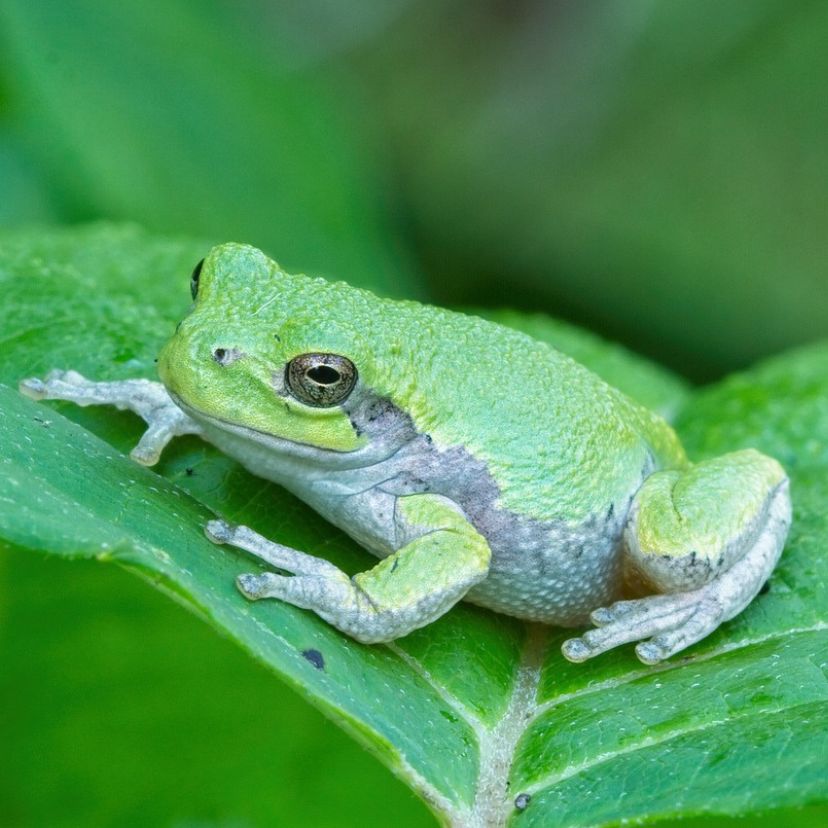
(707,538)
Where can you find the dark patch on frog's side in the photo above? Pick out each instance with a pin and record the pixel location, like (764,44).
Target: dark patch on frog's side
(315,657)
(378,417)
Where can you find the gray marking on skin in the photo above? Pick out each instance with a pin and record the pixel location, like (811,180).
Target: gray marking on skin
(541,570)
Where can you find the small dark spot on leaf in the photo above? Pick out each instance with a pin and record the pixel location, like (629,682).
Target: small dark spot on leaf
(611,511)
(277,337)
(522,800)
(156,359)
(766,588)
(189,471)
(315,658)
(44,423)
(395,564)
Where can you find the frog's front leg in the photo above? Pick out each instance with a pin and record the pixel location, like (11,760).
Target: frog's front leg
(708,538)
(441,556)
(149,400)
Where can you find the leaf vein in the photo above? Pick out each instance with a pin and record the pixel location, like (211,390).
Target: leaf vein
(667,667)
(551,780)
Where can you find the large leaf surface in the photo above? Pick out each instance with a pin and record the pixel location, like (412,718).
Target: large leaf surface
(476,700)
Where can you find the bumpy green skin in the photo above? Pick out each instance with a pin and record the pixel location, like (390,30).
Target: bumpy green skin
(476,461)
(543,424)
(449,542)
(686,525)
(431,573)
(707,505)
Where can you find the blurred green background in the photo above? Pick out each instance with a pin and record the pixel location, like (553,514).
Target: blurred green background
(657,172)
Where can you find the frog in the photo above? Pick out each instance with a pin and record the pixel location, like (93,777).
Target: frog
(475,462)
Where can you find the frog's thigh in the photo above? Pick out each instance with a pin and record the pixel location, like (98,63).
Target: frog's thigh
(412,587)
(708,537)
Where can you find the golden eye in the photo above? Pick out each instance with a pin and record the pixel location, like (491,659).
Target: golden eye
(320,380)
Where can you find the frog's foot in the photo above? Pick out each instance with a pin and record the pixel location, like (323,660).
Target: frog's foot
(149,400)
(674,621)
(406,590)
(716,586)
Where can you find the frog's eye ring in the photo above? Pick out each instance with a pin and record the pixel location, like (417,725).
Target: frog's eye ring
(320,380)
(194,278)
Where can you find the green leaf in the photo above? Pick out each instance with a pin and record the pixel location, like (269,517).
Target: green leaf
(475,700)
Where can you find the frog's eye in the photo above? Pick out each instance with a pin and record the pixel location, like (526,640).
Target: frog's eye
(320,380)
(194,278)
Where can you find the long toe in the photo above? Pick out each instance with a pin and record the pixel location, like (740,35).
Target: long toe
(706,617)
(628,621)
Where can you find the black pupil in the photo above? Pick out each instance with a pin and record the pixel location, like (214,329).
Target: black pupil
(323,375)
(194,278)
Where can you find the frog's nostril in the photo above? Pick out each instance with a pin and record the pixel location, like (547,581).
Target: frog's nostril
(227,356)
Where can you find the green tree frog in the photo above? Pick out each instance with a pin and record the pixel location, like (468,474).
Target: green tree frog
(476,462)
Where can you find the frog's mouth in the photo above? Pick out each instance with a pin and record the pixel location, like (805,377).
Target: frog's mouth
(235,439)
(290,446)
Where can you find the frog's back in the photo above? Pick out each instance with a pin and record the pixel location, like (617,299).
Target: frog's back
(557,439)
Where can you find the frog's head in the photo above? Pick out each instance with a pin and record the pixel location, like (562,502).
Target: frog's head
(272,355)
